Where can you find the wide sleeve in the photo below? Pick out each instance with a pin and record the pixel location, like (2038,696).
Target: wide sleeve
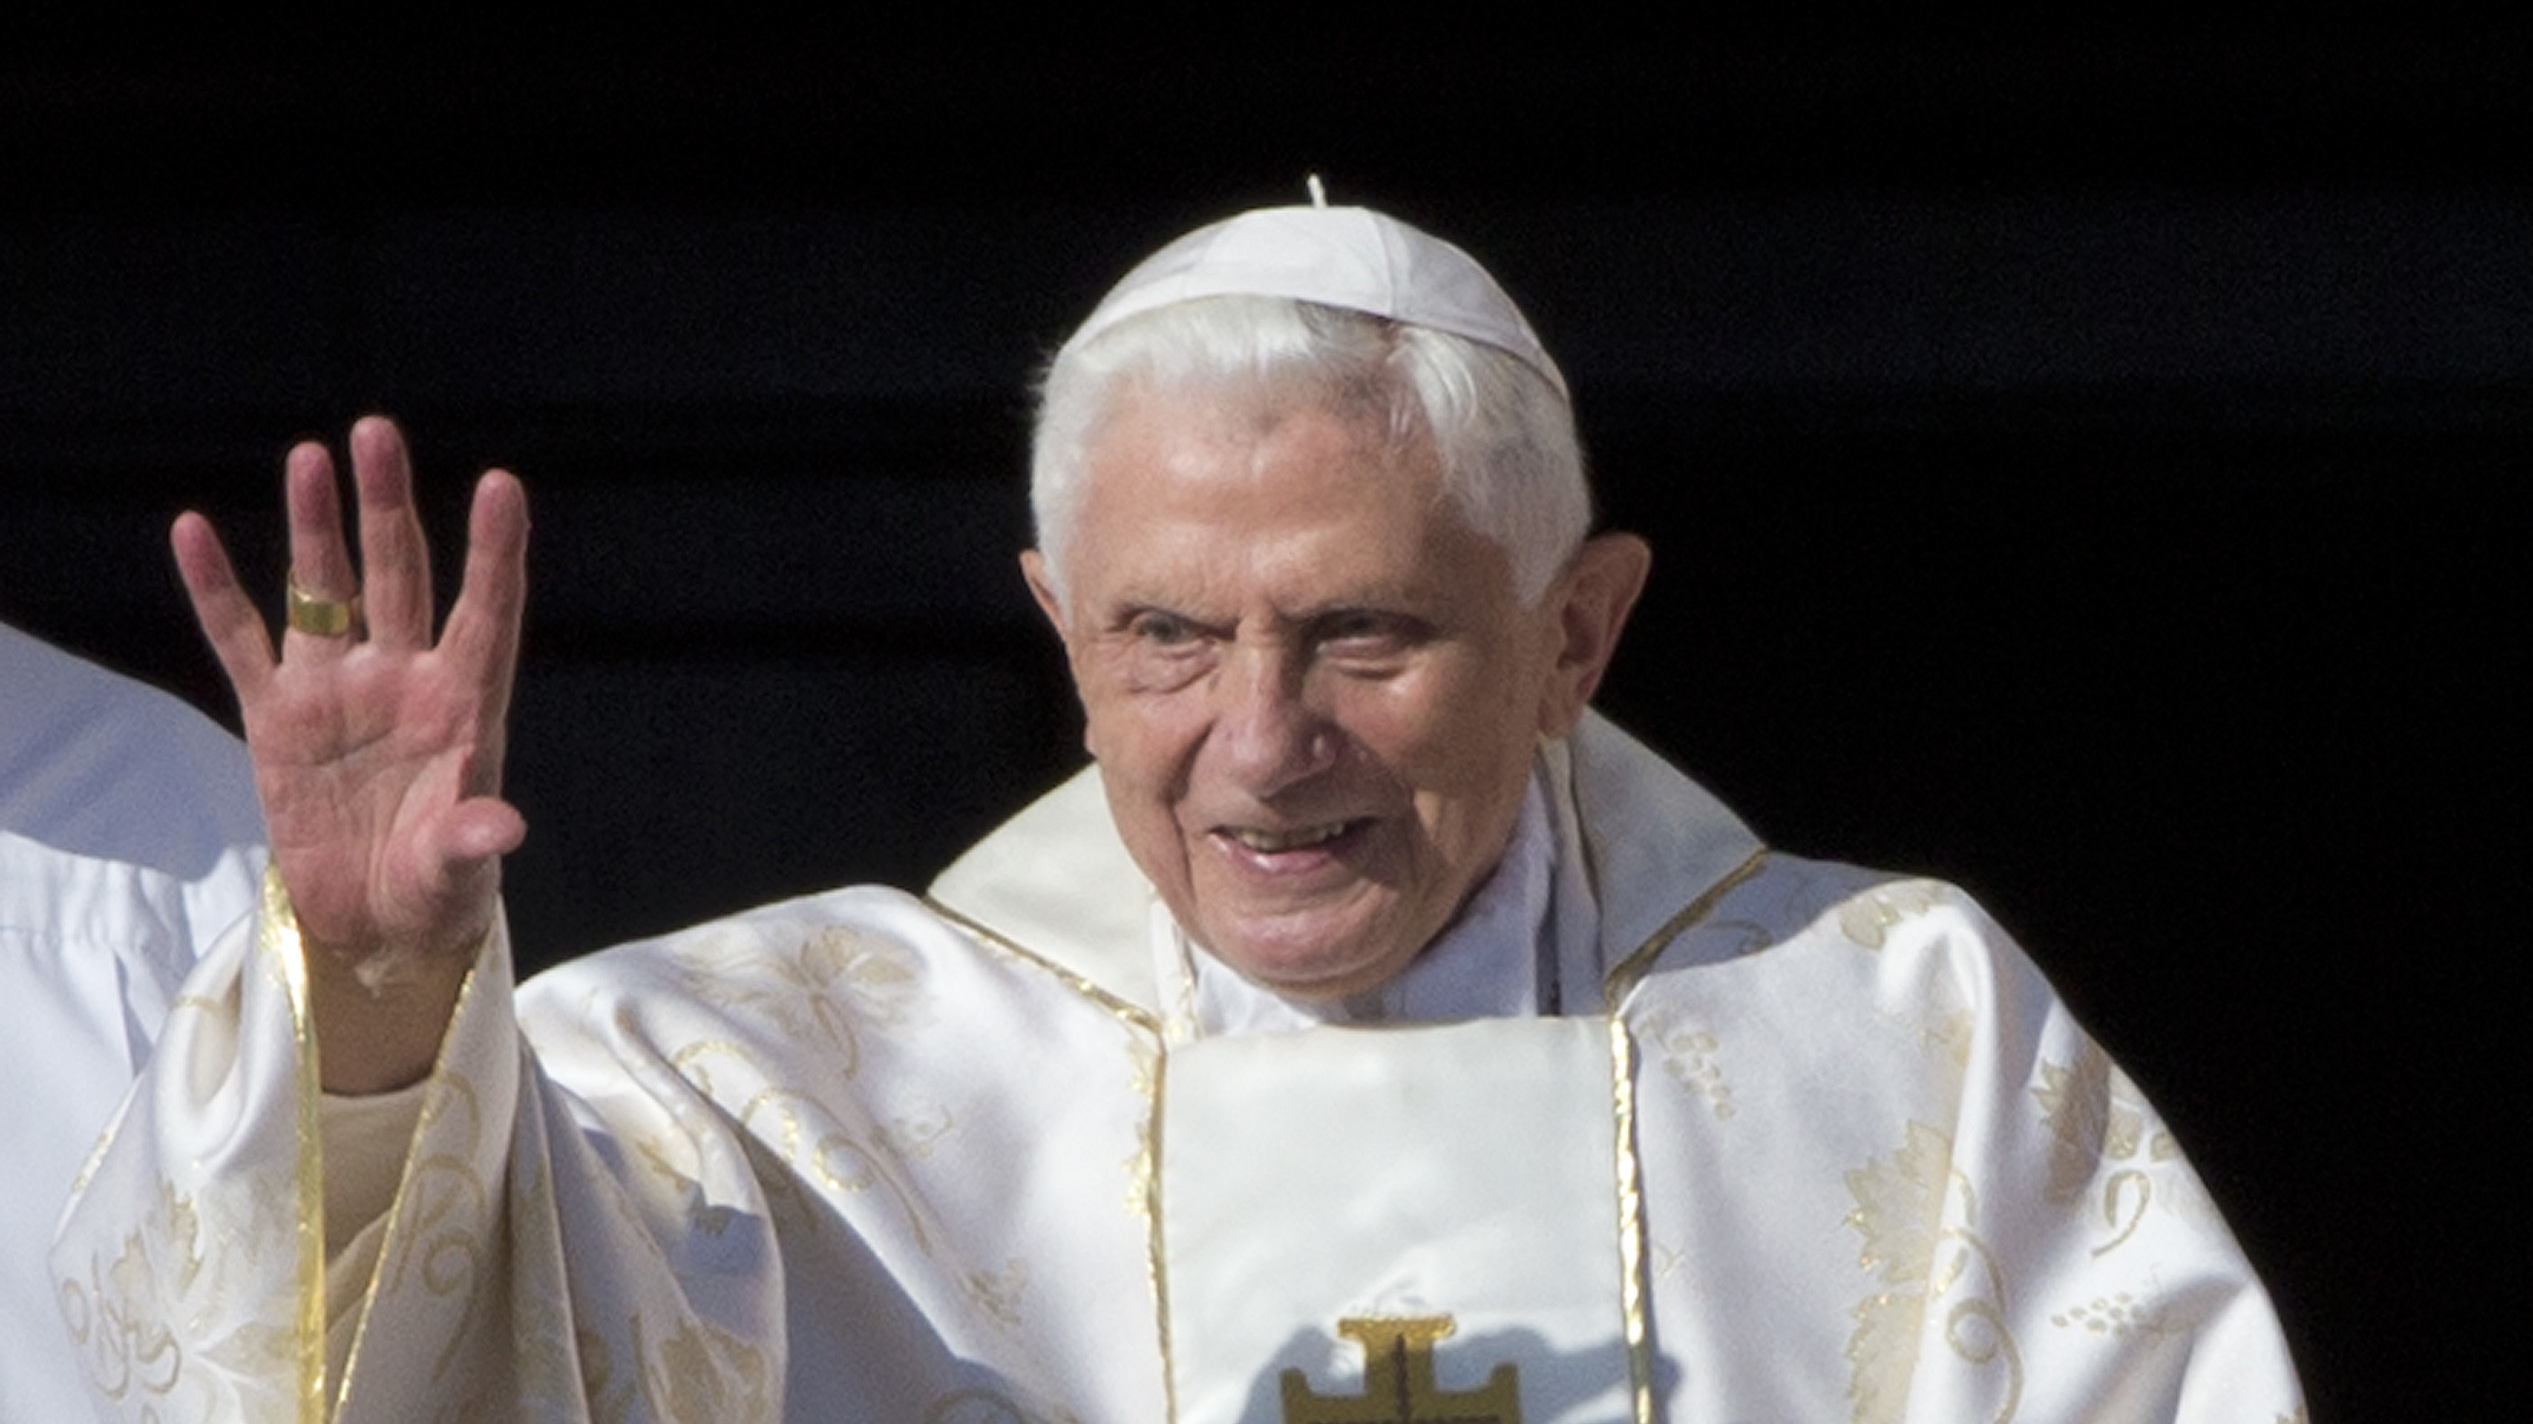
(1906,1185)
(193,1265)
(190,1262)
(2047,1252)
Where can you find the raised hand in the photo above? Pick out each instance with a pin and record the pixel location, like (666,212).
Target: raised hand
(377,752)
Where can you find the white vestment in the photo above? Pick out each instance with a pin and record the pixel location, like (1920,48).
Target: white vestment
(1801,1142)
(129,839)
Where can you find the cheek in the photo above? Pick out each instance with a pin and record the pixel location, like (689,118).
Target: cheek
(1143,745)
(1457,735)
(1109,729)
(1467,761)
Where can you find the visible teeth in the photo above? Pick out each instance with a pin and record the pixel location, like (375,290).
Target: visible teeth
(1271,841)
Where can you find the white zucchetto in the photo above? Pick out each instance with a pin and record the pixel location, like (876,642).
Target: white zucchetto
(1353,258)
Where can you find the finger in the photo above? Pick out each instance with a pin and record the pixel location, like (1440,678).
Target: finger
(320,561)
(480,829)
(229,619)
(482,637)
(395,560)
(464,874)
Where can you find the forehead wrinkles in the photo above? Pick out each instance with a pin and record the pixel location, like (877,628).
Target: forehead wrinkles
(1206,434)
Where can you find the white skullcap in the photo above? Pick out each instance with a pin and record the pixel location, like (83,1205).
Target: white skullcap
(1340,257)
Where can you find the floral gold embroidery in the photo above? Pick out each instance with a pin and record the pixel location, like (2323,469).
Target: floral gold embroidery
(554,1360)
(813,1143)
(1867,919)
(440,1230)
(819,990)
(163,1319)
(999,1293)
(803,1131)
(2096,1117)
(2118,1315)
(1920,1223)
(911,1139)
(1689,1057)
(1946,1038)
(704,1375)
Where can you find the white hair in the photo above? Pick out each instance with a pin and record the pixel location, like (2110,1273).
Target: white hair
(1506,438)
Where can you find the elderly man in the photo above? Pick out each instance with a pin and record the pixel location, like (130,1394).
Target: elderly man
(1373,1034)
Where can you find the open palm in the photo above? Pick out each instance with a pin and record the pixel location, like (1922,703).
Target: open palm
(378,751)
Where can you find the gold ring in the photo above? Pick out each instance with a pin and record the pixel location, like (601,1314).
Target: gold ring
(322,617)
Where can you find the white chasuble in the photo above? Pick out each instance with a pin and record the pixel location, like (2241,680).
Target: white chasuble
(1809,1143)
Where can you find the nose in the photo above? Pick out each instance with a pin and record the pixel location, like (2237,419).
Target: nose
(1268,733)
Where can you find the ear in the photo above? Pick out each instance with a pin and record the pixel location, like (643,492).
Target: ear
(1591,602)
(1033,571)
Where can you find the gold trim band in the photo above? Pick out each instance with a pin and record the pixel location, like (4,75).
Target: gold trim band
(1631,1222)
(278,952)
(1125,1011)
(1636,965)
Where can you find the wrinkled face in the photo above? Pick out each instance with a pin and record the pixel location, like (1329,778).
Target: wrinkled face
(1313,697)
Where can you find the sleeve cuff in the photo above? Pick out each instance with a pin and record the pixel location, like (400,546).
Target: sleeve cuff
(365,1141)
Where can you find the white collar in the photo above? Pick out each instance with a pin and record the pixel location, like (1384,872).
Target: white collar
(1635,842)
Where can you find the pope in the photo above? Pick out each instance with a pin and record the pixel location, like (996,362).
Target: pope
(1372,1032)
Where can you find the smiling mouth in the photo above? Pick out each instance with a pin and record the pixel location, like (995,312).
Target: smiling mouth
(1266,842)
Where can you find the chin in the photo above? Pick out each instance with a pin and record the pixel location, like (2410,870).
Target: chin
(1312,970)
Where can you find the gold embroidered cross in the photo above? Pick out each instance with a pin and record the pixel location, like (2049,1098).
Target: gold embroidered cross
(1398,1382)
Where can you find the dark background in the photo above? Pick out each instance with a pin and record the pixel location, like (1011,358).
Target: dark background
(2084,461)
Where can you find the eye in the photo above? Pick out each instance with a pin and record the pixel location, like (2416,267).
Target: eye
(1366,635)
(1161,630)
(1156,650)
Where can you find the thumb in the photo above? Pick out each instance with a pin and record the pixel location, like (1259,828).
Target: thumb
(481,828)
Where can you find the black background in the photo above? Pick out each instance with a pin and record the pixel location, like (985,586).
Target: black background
(2084,460)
